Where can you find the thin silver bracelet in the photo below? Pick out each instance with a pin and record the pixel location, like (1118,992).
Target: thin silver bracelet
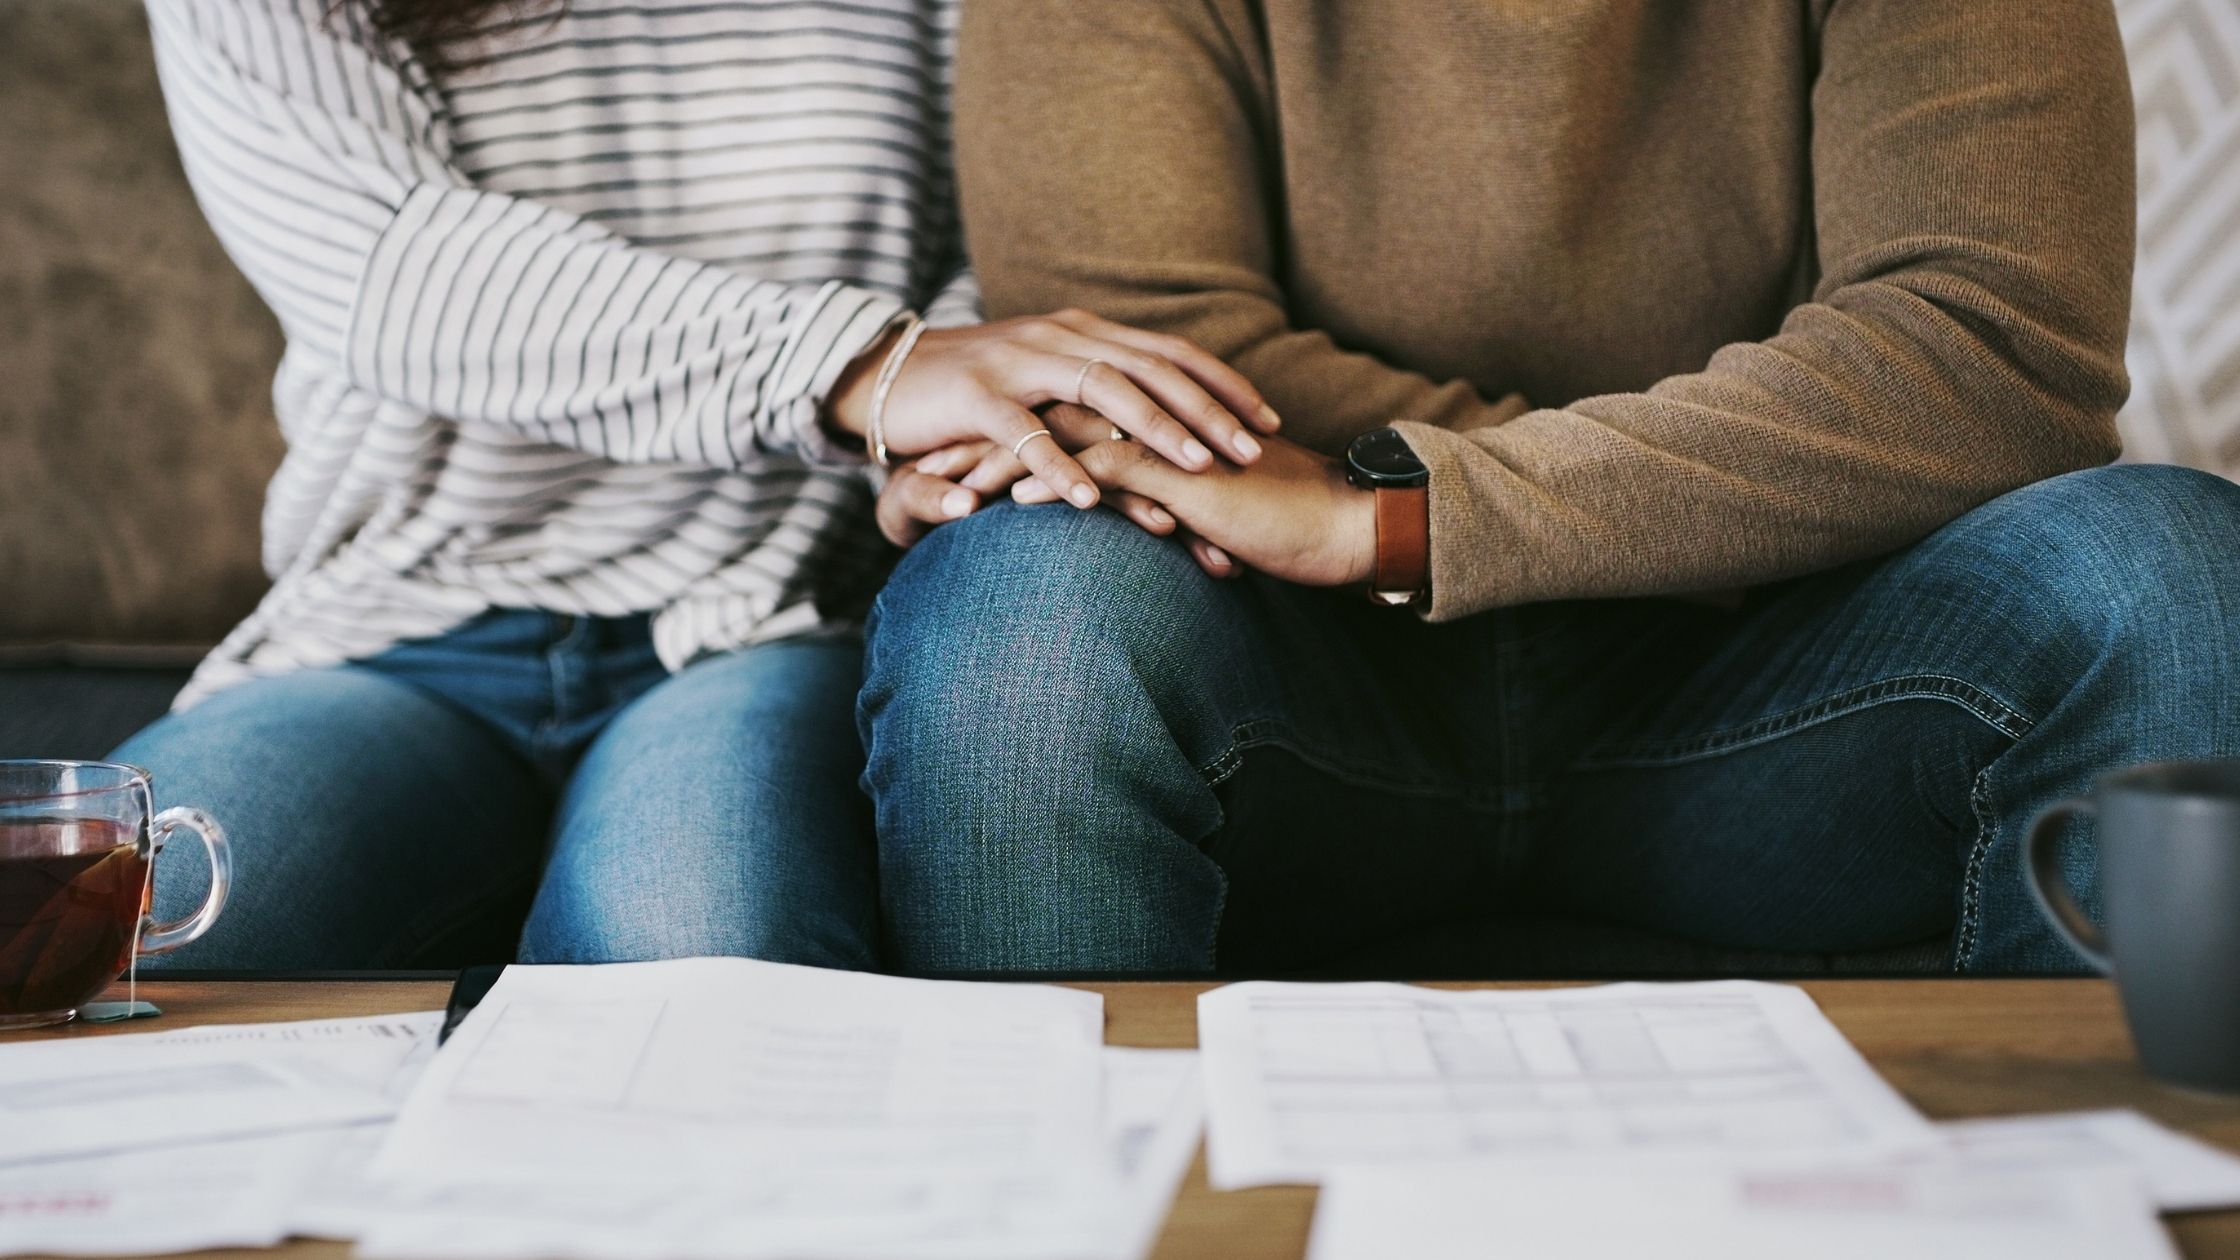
(884,386)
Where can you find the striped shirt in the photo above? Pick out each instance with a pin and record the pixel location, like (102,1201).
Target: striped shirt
(559,324)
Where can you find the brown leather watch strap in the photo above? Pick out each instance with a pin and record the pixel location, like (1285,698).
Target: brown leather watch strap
(1403,545)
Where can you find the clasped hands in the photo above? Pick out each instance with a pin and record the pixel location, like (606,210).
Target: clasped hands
(1200,459)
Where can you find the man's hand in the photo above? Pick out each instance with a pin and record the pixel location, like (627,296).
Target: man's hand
(955,481)
(1291,515)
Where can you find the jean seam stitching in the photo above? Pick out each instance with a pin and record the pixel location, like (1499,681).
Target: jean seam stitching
(1972,879)
(1273,734)
(1215,773)
(2001,716)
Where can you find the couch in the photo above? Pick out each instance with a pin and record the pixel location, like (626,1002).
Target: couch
(136,432)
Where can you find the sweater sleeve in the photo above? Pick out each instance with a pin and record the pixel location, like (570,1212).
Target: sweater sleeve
(1972,169)
(321,157)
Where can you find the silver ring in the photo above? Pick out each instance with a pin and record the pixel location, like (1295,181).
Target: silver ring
(1016,446)
(1081,378)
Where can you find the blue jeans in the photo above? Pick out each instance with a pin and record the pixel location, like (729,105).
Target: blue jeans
(1087,756)
(406,810)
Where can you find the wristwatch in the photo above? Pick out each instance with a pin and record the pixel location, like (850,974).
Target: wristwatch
(1380,461)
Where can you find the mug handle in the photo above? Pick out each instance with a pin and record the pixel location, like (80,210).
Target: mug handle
(158,938)
(2052,890)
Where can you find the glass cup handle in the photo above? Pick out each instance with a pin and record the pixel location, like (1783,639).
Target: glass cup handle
(157,938)
(2052,890)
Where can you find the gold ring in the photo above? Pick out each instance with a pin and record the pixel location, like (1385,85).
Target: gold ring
(1015,446)
(1080,379)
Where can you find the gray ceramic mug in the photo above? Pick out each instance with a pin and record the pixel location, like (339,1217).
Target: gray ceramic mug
(2169,843)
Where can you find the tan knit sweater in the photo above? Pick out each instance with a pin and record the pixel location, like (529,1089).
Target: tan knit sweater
(1792,282)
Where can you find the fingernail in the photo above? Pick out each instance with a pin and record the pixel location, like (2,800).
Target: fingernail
(1083,497)
(1217,555)
(957,502)
(1195,451)
(1159,517)
(1246,446)
(1269,417)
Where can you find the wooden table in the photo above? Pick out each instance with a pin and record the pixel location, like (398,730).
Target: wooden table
(1955,1047)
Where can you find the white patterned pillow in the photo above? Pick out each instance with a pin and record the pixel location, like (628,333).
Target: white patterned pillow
(2185,321)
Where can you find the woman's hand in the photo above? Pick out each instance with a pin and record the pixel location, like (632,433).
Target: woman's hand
(1291,515)
(960,385)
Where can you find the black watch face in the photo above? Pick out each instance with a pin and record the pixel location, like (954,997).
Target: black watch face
(1382,458)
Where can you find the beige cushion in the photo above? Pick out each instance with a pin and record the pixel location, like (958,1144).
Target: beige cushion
(136,428)
(2185,319)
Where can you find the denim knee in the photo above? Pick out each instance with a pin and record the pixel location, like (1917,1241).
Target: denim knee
(2129,556)
(1035,809)
(1019,629)
(2104,608)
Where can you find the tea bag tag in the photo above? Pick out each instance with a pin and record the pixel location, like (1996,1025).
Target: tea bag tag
(114,1012)
(132,1007)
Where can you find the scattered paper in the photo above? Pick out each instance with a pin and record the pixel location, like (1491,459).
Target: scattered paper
(168,1199)
(1455,1212)
(719,1068)
(127,1093)
(1302,1078)
(724,1110)
(1152,1120)
(732,1107)
(2178,1173)
(410,1033)
(1155,1111)
(244,1192)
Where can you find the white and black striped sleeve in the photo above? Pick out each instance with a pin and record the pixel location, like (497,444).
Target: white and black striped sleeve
(321,160)
(957,305)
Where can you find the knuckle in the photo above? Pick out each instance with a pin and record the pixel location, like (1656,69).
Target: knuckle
(1116,459)
(1175,347)
(1045,462)
(1137,363)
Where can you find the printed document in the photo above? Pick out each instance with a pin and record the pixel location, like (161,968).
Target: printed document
(243,1192)
(132,1092)
(1152,1118)
(710,1069)
(2177,1172)
(1302,1078)
(1920,1212)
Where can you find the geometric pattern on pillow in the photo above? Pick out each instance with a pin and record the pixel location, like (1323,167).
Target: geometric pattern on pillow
(2184,352)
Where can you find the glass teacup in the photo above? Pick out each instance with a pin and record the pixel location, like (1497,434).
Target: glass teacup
(78,841)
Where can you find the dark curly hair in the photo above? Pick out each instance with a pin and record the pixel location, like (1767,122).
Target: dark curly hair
(443,32)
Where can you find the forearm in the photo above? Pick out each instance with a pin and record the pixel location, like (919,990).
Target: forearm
(1734,477)
(487,309)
